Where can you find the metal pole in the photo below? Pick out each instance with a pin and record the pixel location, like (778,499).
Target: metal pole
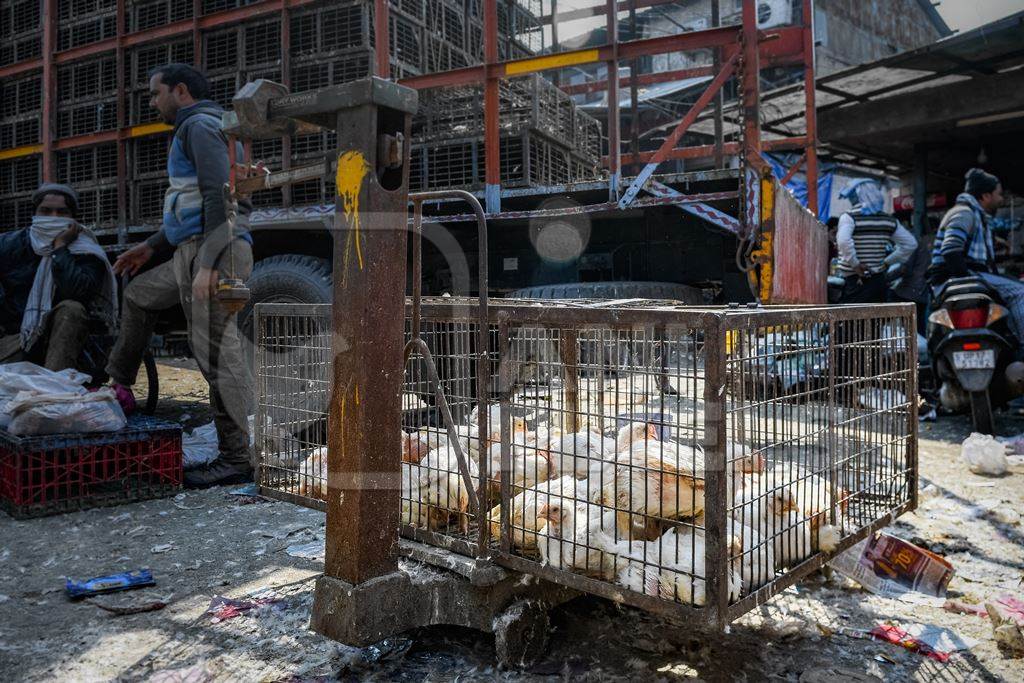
(49,85)
(920,189)
(716,20)
(286,80)
(122,119)
(364,451)
(810,110)
(614,147)
(634,87)
(751,87)
(382,46)
(492,140)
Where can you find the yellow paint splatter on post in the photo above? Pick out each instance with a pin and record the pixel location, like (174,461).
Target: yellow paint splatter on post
(352,169)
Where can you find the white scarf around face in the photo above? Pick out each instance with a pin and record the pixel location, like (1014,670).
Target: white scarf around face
(40,299)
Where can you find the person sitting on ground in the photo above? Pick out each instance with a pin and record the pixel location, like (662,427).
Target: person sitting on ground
(964,244)
(869,242)
(55,281)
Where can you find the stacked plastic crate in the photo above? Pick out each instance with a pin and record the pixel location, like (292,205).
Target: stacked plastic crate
(20,111)
(20,35)
(147,154)
(82,22)
(545,140)
(92,171)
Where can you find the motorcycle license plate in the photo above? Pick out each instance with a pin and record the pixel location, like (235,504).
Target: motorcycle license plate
(974,360)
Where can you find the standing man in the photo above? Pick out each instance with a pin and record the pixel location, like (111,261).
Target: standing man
(964,244)
(55,282)
(205,250)
(869,241)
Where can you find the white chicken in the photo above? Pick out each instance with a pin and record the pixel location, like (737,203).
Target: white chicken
(524,510)
(790,506)
(415,446)
(651,481)
(752,555)
(312,474)
(634,432)
(433,491)
(529,466)
(576,454)
(580,537)
(672,567)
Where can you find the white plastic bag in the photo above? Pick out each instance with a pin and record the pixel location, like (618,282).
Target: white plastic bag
(24,376)
(984,455)
(199,446)
(36,414)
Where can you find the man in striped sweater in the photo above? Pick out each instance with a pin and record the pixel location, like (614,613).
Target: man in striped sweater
(964,244)
(869,242)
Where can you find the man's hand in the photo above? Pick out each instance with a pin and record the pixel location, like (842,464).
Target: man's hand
(861,270)
(130,261)
(67,237)
(204,286)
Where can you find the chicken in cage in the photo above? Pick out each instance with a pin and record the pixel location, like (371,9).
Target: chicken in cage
(602,457)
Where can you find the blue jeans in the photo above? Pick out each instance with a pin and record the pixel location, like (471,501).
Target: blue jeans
(1012,293)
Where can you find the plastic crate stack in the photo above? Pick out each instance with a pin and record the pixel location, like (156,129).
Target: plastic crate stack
(20,35)
(519,29)
(545,140)
(45,475)
(147,154)
(20,111)
(81,22)
(92,171)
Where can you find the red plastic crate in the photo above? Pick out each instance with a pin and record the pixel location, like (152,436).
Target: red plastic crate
(46,475)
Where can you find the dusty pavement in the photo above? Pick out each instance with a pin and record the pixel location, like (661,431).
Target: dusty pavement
(200,545)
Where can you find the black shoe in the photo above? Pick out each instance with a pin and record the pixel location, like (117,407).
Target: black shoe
(218,473)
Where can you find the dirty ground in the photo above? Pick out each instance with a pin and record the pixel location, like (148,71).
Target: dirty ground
(212,543)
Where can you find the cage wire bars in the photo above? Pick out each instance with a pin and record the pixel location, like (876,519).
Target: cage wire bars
(72,33)
(682,460)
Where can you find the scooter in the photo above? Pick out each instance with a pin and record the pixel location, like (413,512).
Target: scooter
(972,349)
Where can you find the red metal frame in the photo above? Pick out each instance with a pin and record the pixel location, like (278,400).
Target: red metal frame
(744,47)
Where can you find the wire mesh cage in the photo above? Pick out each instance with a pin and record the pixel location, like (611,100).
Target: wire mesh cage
(678,459)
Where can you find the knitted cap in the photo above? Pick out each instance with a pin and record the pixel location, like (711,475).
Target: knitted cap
(55,188)
(978,182)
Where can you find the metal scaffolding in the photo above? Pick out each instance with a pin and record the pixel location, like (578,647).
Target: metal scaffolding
(73,74)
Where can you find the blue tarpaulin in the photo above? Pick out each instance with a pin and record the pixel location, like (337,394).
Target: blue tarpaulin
(781,163)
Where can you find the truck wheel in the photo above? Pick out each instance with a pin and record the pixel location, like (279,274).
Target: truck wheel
(615,290)
(286,278)
(981,412)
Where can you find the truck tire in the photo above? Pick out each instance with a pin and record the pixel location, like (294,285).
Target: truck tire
(286,278)
(614,290)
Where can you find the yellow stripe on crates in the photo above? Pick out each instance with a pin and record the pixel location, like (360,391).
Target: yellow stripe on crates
(526,66)
(148,129)
(23,151)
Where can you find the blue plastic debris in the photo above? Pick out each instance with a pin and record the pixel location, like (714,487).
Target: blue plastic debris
(109,584)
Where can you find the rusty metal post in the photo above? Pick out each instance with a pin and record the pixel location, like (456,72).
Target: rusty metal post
(382,42)
(569,354)
(751,87)
(810,111)
(286,80)
(614,146)
(368,322)
(49,85)
(716,507)
(122,120)
(716,20)
(492,111)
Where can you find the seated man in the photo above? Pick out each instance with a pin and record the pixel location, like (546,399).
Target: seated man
(964,244)
(54,281)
